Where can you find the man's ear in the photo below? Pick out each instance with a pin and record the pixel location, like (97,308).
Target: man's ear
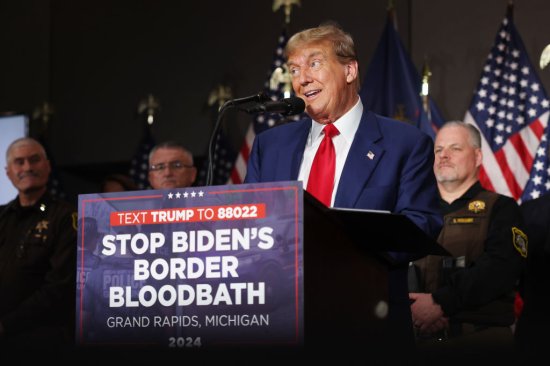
(352,68)
(479,158)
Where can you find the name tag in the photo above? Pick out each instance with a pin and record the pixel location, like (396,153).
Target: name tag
(463,220)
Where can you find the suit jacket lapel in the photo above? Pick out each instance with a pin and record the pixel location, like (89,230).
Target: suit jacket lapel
(363,157)
(296,149)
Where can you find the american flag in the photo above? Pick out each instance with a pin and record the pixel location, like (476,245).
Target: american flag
(139,166)
(392,85)
(224,158)
(274,90)
(510,108)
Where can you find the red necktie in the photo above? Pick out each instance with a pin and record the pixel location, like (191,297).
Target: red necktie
(321,176)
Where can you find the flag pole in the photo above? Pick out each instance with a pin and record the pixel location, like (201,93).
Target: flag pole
(425,88)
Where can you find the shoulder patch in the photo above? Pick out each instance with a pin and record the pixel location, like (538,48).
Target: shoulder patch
(519,238)
(74,215)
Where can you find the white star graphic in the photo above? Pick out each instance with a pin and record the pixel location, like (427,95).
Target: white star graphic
(523,83)
(170,195)
(535,194)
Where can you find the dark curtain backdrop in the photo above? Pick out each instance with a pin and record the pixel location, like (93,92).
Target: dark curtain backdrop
(95,60)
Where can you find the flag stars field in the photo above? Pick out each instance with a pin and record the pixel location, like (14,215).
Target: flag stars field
(511,109)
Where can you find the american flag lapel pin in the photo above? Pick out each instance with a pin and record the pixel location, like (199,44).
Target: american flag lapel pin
(370,155)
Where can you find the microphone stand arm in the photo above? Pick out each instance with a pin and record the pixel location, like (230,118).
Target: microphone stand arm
(212,143)
(256,98)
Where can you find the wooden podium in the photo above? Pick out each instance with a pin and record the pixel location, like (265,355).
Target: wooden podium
(346,273)
(346,269)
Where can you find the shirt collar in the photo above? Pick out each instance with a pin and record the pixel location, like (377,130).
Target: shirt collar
(346,125)
(460,202)
(44,200)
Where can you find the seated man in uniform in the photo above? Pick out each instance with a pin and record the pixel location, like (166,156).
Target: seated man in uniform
(467,302)
(37,256)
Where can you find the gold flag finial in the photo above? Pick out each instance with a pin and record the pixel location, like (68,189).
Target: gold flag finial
(150,105)
(281,75)
(288,7)
(545,57)
(43,113)
(220,94)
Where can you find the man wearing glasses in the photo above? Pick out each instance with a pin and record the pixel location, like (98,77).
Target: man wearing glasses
(171,166)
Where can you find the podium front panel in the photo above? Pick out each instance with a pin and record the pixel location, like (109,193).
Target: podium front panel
(197,267)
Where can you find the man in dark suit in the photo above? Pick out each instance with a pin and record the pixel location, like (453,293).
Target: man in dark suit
(380,163)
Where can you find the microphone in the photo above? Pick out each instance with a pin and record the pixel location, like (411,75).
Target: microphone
(256,98)
(286,107)
(256,103)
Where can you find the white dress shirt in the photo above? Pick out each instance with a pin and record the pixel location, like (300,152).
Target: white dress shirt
(347,125)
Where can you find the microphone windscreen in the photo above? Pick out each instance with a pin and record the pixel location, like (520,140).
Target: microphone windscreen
(296,105)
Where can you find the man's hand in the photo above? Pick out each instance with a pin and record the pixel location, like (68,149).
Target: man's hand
(427,315)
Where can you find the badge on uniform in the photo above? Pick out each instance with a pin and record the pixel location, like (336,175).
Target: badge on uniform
(41,226)
(476,206)
(520,241)
(40,231)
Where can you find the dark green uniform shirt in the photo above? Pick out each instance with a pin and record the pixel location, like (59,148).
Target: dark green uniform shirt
(37,267)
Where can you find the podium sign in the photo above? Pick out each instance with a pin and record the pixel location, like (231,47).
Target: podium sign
(191,267)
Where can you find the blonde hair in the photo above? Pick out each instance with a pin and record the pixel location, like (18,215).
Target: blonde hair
(342,42)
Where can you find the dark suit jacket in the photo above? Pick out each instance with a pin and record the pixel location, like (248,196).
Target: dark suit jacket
(399,178)
(534,321)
